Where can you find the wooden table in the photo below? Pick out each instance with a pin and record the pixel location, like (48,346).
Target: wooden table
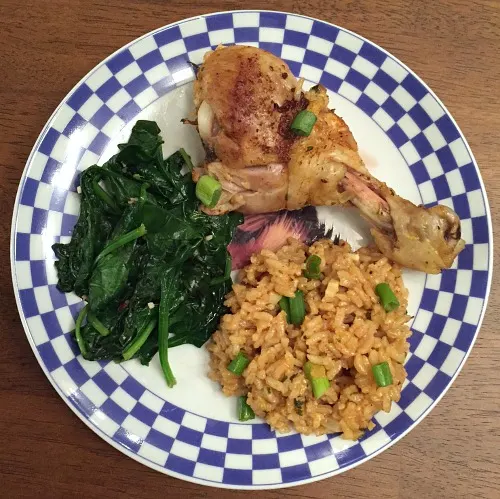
(46,46)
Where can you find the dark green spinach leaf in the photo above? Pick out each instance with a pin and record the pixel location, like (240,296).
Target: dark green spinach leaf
(184,253)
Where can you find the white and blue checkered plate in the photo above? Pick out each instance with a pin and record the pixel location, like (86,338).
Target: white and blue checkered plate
(406,137)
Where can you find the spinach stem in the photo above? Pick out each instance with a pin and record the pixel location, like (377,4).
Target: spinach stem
(78,332)
(97,324)
(143,193)
(227,272)
(163,330)
(121,241)
(229,263)
(104,196)
(187,159)
(140,340)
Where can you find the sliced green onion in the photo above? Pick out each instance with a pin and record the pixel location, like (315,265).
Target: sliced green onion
(245,412)
(303,123)
(187,159)
(121,241)
(382,374)
(284,304)
(167,286)
(141,339)
(387,297)
(97,324)
(104,196)
(238,364)
(78,333)
(313,263)
(319,386)
(297,308)
(317,377)
(208,190)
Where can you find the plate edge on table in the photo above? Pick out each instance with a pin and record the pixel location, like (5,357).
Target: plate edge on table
(135,456)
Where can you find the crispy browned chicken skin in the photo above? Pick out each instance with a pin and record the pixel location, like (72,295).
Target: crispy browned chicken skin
(246,99)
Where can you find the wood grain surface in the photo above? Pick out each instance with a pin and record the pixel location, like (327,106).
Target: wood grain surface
(46,46)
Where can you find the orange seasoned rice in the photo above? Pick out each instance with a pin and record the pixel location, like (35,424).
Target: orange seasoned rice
(345,329)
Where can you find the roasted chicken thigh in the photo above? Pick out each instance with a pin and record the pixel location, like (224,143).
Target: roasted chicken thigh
(246,99)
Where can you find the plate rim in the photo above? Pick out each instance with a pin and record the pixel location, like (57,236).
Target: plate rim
(192,479)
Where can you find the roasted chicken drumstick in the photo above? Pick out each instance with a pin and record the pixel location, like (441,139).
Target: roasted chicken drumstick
(246,99)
